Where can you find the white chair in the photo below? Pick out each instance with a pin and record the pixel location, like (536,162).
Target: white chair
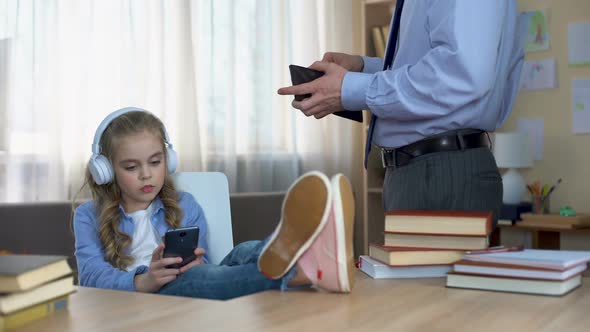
(211,191)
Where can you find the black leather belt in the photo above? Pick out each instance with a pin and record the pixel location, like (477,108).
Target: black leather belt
(448,141)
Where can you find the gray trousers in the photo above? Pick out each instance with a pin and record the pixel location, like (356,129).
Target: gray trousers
(459,180)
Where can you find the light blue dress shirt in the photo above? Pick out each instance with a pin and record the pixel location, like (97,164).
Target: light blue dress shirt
(457,66)
(95,271)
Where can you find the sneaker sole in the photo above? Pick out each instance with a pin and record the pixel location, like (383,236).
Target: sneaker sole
(304,214)
(344,213)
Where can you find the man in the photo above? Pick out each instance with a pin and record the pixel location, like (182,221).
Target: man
(453,79)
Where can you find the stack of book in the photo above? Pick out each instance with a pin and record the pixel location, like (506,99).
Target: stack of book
(425,243)
(32,287)
(542,272)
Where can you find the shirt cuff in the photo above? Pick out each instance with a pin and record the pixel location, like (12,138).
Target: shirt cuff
(129,283)
(372,65)
(354,88)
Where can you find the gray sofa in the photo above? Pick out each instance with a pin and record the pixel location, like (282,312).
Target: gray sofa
(45,228)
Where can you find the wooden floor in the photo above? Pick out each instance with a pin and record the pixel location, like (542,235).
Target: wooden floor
(374,305)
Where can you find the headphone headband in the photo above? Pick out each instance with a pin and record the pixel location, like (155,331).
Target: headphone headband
(99,165)
(105,123)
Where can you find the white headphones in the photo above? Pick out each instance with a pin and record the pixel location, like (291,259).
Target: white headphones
(100,166)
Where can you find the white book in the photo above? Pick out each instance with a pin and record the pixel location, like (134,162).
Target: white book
(378,270)
(550,259)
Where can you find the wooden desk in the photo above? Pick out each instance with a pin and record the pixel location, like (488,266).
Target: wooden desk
(544,237)
(374,305)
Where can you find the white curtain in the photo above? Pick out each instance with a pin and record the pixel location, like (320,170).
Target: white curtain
(208,68)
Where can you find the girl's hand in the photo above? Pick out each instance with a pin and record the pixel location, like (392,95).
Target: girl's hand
(158,275)
(199,252)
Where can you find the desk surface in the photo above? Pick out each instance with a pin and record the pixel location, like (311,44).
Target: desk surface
(547,228)
(374,305)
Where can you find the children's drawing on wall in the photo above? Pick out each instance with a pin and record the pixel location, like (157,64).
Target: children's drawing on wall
(581,106)
(537,75)
(537,30)
(579,44)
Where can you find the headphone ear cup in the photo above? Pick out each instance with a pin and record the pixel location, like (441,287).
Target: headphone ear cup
(101,169)
(172,161)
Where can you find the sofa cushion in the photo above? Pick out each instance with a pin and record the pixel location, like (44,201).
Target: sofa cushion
(37,228)
(45,228)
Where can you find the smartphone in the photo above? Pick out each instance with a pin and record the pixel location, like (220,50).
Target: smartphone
(181,242)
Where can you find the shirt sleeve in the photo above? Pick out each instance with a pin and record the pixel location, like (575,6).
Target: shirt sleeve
(352,95)
(93,269)
(372,65)
(457,70)
(196,217)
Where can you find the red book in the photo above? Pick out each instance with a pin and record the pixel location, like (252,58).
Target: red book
(399,256)
(435,241)
(457,223)
(516,271)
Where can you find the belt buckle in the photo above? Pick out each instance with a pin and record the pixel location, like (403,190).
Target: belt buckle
(461,141)
(383,159)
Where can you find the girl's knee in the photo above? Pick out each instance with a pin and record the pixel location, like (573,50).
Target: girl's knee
(248,244)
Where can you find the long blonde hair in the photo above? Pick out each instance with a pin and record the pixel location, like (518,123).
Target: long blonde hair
(107,197)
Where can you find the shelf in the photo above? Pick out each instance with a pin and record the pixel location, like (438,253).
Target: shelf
(375,190)
(382,2)
(373,13)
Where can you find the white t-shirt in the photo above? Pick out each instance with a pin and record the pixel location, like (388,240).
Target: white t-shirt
(145,238)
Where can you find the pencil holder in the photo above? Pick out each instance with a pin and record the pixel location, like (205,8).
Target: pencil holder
(540,204)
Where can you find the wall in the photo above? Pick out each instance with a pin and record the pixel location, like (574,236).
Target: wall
(565,155)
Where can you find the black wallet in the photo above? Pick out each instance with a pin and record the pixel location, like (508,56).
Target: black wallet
(300,75)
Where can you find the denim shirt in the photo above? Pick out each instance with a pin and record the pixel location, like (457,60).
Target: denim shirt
(95,271)
(457,66)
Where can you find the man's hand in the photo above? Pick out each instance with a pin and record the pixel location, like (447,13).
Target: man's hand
(346,61)
(325,91)
(199,253)
(158,275)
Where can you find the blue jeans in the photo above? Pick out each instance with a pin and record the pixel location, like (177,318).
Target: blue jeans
(236,275)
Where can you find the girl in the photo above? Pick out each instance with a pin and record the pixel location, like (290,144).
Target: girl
(118,234)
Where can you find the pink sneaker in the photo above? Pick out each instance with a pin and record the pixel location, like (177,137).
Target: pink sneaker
(329,262)
(304,214)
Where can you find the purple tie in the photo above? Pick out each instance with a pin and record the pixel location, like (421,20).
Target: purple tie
(387,61)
